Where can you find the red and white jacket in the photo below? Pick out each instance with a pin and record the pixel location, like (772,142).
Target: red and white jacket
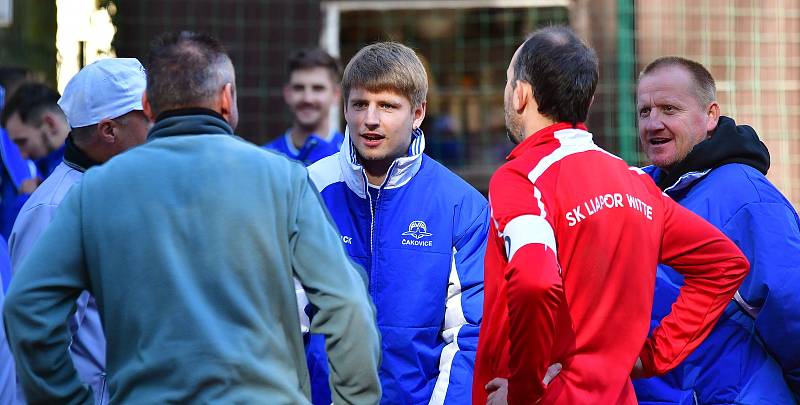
(570,269)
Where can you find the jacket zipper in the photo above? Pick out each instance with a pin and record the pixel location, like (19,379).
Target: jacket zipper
(371,210)
(371,274)
(373,214)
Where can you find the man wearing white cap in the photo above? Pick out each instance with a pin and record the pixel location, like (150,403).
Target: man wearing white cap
(103,105)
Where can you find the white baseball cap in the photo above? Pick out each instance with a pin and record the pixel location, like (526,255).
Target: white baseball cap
(108,88)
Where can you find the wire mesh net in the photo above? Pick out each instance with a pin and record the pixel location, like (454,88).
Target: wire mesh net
(751,47)
(466,51)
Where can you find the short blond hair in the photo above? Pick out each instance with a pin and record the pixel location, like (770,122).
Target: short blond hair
(387,66)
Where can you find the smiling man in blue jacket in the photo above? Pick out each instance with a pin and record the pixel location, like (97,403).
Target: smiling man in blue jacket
(418,229)
(717,169)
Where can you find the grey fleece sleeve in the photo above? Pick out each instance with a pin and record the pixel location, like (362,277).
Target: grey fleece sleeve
(40,299)
(336,287)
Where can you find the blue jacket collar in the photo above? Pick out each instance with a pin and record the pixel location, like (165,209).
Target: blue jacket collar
(401,171)
(685,181)
(287,137)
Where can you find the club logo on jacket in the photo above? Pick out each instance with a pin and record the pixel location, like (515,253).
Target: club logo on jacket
(417,230)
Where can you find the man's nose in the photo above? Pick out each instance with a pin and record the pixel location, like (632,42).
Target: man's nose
(653,123)
(372,120)
(307,95)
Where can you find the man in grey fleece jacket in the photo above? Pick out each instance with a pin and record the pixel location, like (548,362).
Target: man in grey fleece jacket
(189,244)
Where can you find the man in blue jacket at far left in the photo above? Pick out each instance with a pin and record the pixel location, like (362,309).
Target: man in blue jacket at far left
(418,229)
(37,125)
(8,377)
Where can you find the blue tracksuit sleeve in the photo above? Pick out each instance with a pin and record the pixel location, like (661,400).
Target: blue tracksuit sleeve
(40,299)
(8,381)
(463,311)
(8,378)
(769,236)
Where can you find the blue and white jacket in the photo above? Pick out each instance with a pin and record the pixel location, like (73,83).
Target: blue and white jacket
(421,237)
(8,377)
(753,354)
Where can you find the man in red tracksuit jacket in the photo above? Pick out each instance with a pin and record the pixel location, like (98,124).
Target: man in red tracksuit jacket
(575,238)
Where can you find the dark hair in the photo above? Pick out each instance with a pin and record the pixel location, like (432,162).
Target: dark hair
(11,77)
(186,69)
(30,101)
(705,88)
(562,71)
(313,58)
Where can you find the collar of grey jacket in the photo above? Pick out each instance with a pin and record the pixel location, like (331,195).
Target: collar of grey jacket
(189,121)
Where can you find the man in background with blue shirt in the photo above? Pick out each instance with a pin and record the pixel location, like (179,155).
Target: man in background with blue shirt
(312,90)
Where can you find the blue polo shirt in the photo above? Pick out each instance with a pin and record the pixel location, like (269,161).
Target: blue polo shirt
(315,148)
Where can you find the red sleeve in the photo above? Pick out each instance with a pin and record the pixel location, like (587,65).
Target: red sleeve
(534,295)
(533,281)
(712,267)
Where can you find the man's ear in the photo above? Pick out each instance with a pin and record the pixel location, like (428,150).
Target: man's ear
(105,130)
(286,92)
(146,108)
(419,114)
(521,96)
(49,120)
(713,116)
(227,99)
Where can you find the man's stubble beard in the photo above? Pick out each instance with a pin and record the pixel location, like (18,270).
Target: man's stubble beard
(513,128)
